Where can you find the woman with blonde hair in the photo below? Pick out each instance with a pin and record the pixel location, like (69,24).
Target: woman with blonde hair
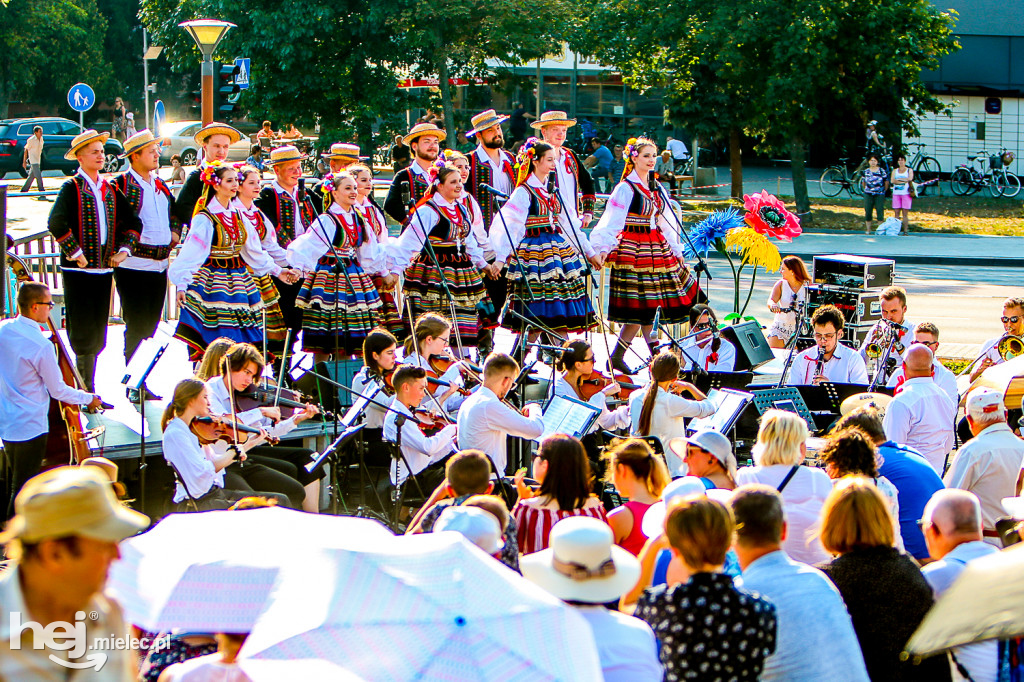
(780,449)
(431,335)
(786,297)
(640,476)
(884,590)
(641,243)
(215,352)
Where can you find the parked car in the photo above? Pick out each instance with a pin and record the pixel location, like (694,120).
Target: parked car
(57,136)
(178,140)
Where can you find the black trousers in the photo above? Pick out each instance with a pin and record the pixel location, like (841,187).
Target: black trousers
(497,291)
(87,307)
(223,498)
(24,458)
(142,301)
(288,460)
(292,315)
(253,477)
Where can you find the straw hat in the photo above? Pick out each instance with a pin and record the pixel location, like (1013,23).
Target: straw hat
(285,153)
(138,141)
(110,471)
(71,501)
(82,139)
(217,129)
(477,525)
(484,120)
(582,563)
(344,151)
(421,129)
(553,118)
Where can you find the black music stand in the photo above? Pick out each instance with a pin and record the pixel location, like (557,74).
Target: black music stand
(140,366)
(708,381)
(787,398)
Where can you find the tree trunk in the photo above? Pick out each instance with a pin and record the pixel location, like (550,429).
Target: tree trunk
(796,162)
(446,101)
(736,163)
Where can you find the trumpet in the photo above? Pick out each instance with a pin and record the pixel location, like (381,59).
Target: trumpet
(880,336)
(1010,347)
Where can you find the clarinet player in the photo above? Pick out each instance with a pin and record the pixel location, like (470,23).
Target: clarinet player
(828,360)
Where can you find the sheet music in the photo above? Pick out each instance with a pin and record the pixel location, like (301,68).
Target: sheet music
(568,416)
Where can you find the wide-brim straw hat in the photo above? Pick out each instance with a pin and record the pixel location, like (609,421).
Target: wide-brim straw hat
(82,139)
(344,151)
(109,468)
(484,120)
(284,154)
(553,118)
(421,129)
(217,129)
(138,141)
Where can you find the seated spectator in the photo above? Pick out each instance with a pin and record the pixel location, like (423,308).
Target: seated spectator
(884,590)
(266,131)
(255,158)
(914,478)
(599,163)
(617,165)
(561,466)
(709,628)
(952,529)
(708,455)
(665,168)
(221,666)
(639,476)
(814,628)
(780,449)
(475,524)
(583,568)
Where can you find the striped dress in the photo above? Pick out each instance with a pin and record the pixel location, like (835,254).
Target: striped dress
(258,223)
(646,257)
(536,516)
(391,316)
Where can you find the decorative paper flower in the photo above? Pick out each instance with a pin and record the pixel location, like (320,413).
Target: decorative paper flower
(435,168)
(768,215)
(209,173)
(708,233)
(327,186)
(754,247)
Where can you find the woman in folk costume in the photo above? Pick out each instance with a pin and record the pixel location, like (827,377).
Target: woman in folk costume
(216,292)
(257,223)
(373,214)
(642,246)
(440,228)
(339,302)
(548,245)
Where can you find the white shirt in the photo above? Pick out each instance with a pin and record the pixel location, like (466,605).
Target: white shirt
(844,367)
(678,149)
(269,242)
(608,419)
(367,386)
(980,660)
(476,214)
(307,249)
(401,251)
(990,350)
(943,378)
(485,422)
(156,225)
(668,420)
(220,403)
(29,377)
(34,147)
(294,196)
(568,186)
(988,465)
(419,450)
(499,179)
(920,417)
(515,212)
(702,354)
(193,461)
(899,349)
(101,218)
(605,237)
(209,668)
(626,645)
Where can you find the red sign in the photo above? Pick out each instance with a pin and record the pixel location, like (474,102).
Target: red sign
(434,82)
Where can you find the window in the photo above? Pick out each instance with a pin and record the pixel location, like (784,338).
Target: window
(69,128)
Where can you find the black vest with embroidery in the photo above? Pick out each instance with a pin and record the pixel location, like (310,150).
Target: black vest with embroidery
(132,191)
(481,173)
(280,209)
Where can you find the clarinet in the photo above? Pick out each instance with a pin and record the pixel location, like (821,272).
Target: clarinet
(820,363)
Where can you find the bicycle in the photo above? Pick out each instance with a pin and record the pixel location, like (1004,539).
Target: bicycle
(927,169)
(838,177)
(1000,182)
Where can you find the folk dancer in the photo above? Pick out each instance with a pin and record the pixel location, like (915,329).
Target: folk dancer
(829,360)
(91,222)
(410,184)
(642,246)
(340,157)
(215,140)
(141,280)
(339,303)
(575,186)
(373,214)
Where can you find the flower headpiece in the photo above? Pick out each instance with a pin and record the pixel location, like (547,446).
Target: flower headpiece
(439,164)
(209,173)
(632,150)
(327,186)
(527,153)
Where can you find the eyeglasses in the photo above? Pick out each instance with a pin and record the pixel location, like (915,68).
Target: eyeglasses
(824,337)
(592,358)
(49,304)
(445,339)
(702,326)
(1011,320)
(928,343)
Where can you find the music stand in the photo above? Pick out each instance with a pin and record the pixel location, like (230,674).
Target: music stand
(707,381)
(569,416)
(787,398)
(729,405)
(140,366)
(838,392)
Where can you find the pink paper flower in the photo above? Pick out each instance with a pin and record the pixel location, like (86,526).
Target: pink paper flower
(767,215)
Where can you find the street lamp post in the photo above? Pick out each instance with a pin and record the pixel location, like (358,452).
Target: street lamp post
(207,33)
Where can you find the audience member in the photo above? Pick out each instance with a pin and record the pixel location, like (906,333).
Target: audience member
(665,168)
(476,525)
(708,455)
(921,414)
(221,666)
(639,476)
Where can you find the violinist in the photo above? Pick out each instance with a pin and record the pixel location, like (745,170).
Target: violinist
(202,467)
(660,410)
(577,365)
(29,377)
(431,336)
(378,362)
(708,349)
(242,364)
(423,456)
(485,420)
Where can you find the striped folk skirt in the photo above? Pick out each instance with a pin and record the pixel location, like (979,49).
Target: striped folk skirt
(391,317)
(223,300)
(338,311)
(557,284)
(465,282)
(645,275)
(276,328)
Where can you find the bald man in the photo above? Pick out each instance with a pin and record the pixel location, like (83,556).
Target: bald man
(952,530)
(921,414)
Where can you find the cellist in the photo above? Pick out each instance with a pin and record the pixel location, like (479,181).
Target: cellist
(29,377)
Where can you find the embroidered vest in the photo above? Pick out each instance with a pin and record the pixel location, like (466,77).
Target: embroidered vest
(88,233)
(543,213)
(132,191)
(346,239)
(229,234)
(374,217)
(584,202)
(447,235)
(480,173)
(286,217)
(644,209)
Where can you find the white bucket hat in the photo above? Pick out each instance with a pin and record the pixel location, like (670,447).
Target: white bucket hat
(478,526)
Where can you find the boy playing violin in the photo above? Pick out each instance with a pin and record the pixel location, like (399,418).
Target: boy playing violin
(422,456)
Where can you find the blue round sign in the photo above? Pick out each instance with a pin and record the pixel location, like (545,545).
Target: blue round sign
(81,97)
(159,115)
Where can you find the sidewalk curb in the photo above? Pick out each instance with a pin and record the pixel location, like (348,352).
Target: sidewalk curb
(909,259)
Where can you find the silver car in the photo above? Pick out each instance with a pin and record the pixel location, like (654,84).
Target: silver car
(178,140)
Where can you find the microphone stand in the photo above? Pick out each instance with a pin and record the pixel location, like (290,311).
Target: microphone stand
(518,261)
(884,359)
(800,321)
(702,265)
(429,248)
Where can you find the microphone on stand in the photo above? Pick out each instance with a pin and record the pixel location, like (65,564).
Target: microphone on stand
(496,192)
(406,197)
(301,194)
(657,323)
(552,179)
(504,310)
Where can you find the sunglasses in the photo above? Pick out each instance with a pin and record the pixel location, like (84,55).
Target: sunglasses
(1011,320)
(702,326)
(49,304)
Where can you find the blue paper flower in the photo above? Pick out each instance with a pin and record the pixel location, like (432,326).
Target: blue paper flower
(708,233)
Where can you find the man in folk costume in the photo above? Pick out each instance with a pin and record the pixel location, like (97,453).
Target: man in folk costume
(292,211)
(490,164)
(89,220)
(573,182)
(141,279)
(215,139)
(341,156)
(410,184)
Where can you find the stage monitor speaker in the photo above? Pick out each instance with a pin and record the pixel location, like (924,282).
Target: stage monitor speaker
(752,349)
(331,397)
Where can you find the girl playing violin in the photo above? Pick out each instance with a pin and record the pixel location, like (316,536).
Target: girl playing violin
(432,334)
(379,364)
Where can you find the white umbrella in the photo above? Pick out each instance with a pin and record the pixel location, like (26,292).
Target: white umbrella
(985,602)
(426,607)
(213,571)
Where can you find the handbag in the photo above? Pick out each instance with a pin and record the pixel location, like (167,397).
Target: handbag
(913,189)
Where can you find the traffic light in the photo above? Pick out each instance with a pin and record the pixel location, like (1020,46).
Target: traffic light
(195,103)
(225,91)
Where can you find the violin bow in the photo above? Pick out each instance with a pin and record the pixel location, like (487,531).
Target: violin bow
(416,349)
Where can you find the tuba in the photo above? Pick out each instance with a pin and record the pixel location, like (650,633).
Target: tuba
(1010,347)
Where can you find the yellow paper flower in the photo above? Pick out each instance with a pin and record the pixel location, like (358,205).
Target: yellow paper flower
(755,248)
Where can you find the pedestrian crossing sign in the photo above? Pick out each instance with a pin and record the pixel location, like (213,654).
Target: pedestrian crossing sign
(242,77)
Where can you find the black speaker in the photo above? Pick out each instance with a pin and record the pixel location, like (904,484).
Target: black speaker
(752,349)
(330,397)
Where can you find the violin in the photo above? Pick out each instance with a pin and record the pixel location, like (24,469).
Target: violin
(429,422)
(388,377)
(470,373)
(209,430)
(596,382)
(258,396)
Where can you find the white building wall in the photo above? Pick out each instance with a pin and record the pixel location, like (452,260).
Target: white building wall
(951,139)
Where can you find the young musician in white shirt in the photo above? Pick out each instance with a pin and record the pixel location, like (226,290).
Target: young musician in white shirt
(828,360)
(893,301)
(422,456)
(708,349)
(485,421)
